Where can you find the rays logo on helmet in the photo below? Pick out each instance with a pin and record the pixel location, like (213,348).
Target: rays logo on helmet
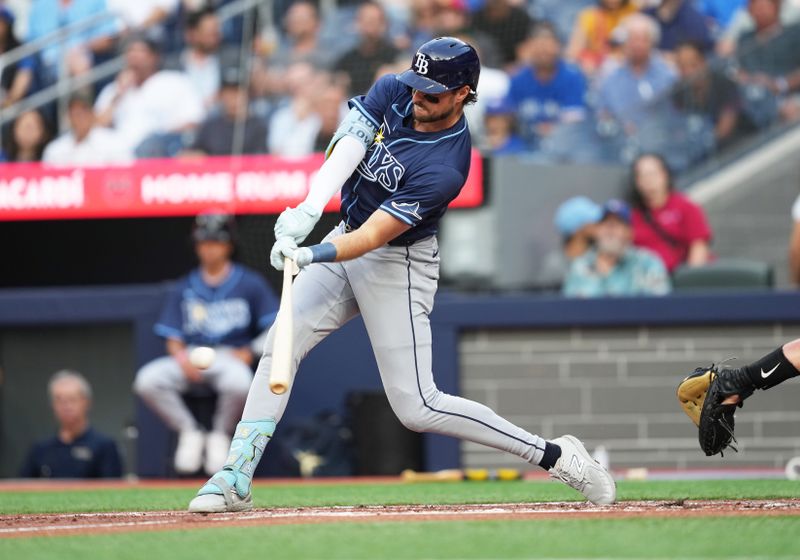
(421,64)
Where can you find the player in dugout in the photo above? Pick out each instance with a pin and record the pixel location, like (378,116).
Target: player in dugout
(399,158)
(223,305)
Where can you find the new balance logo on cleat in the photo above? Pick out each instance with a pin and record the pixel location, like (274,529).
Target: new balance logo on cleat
(577,469)
(577,463)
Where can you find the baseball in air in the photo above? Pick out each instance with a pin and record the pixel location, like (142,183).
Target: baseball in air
(202,357)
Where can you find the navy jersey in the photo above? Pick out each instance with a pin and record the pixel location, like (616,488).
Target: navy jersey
(411,175)
(91,455)
(231,314)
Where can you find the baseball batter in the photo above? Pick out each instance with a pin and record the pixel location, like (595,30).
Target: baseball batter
(399,158)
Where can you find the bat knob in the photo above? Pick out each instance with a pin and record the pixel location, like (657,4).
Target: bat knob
(278,388)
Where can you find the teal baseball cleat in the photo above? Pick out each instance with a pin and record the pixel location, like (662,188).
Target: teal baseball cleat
(229,489)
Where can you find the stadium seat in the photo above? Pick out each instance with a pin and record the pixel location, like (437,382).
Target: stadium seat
(724,273)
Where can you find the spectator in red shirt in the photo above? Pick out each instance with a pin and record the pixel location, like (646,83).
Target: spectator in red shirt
(666,221)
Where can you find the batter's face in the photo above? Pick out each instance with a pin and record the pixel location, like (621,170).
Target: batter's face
(431,108)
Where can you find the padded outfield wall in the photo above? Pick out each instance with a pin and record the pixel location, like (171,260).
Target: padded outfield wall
(603,369)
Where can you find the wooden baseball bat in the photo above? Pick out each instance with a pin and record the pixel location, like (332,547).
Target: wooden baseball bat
(280,372)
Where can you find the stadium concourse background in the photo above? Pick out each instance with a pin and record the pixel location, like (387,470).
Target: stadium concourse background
(80,286)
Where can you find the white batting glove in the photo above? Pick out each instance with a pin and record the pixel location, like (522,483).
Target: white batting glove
(296,223)
(286,247)
(303,257)
(283,247)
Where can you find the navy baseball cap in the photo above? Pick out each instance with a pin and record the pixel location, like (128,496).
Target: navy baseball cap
(618,208)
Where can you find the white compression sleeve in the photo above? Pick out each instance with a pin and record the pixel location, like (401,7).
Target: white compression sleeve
(344,159)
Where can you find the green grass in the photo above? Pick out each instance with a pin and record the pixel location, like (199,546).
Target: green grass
(145,499)
(663,538)
(752,537)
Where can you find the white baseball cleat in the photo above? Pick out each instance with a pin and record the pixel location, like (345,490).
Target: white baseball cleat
(578,469)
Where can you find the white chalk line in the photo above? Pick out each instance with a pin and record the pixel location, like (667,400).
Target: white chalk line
(119,524)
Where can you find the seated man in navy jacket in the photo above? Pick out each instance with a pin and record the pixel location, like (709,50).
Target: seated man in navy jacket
(77,450)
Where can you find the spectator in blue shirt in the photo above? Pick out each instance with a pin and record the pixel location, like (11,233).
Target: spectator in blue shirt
(615,267)
(549,91)
(80,49)
(721,12)
(680,22)
(627,94)
(77,450)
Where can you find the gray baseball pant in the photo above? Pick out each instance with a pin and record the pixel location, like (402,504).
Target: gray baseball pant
(161,382)
(393,289)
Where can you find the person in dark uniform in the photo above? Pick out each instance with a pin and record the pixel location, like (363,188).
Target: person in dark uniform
(77,450)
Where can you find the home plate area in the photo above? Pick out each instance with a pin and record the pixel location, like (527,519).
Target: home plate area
(89,523)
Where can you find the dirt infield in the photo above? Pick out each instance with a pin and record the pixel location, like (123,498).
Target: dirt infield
(16,526)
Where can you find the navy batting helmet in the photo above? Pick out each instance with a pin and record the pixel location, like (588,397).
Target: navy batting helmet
(443,64)
(214,226)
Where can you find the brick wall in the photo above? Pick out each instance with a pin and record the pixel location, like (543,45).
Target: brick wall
(616,387)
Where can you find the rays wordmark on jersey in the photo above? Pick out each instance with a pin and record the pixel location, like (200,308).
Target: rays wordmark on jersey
(381,166)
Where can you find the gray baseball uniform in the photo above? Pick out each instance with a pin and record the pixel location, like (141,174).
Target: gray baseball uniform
(393,288)
(411,173)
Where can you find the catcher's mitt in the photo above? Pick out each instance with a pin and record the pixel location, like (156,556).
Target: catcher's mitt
(701,395)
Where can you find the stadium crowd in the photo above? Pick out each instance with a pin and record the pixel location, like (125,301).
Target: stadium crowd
(569,81)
